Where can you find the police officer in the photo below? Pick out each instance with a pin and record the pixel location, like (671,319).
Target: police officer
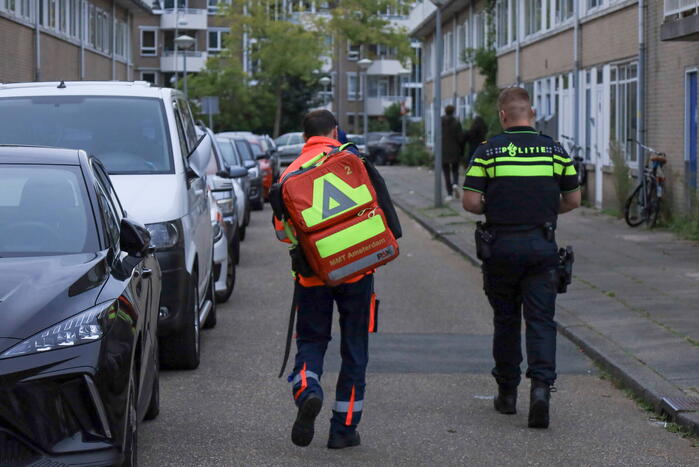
(314,301)
(521,180)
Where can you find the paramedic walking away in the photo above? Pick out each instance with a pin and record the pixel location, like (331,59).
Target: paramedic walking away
(314,304)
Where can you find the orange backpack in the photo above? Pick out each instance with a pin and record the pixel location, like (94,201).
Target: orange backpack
(332,204)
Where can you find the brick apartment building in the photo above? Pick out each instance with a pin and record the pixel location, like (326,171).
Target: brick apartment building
(66,39)
(153,35)
(580,62)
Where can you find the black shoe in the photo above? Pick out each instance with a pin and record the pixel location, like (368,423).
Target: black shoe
(539,405)
(303,430)
(344,441)
(506,401)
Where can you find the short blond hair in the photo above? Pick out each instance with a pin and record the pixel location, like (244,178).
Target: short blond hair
(514,101)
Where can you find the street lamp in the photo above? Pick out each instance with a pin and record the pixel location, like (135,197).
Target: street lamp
(437,104)
(403,109)
(364,65)
(185,43)
(325,81)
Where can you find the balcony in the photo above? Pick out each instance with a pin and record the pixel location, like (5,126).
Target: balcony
(196,61)
(376,105)
(184,18)
(681,21)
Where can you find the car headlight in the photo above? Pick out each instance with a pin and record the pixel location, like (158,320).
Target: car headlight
(83,328)
(163,235)
(225,201)
(253,172)
(217,230)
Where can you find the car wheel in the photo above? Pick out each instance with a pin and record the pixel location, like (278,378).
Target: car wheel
(247,216)
(241,231)
(222,297)
(380,158)
(131,435)
(258,204)
(211,295)
(154,404)
(181,351)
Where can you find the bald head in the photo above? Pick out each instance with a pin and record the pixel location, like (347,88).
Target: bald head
(515,107)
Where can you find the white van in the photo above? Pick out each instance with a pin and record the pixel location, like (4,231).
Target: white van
(145,137)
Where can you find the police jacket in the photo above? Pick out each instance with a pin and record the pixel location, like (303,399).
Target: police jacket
(522,174)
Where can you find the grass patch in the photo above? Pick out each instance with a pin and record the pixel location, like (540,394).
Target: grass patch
(612,212)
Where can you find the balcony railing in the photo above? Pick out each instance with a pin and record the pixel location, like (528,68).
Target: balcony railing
(184,18)
(676,7)
(196,60)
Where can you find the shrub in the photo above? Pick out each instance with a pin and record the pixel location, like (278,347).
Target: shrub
(621,174)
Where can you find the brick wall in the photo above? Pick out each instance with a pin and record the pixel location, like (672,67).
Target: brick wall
(668,63)
(610,37)
(60,60)
(547,57)
(16,52)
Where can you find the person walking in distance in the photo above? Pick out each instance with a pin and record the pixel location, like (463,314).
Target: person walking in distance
(452,150)
(521,180)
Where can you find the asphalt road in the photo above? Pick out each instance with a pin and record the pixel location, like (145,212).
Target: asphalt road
(429,392)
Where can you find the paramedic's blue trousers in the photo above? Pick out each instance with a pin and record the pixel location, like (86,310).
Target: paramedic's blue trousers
(313,327)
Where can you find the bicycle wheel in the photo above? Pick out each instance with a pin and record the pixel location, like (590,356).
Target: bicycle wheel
(634,212)
(653,204)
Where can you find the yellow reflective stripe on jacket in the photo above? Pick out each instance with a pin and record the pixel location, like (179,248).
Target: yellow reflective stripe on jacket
(520,171)
(475,171)
(347,238)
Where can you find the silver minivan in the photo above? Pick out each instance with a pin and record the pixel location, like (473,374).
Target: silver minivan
(145,136)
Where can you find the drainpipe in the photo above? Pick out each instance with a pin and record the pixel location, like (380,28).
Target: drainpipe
(113,39)
(472,71)
(455,59)
(37,43)
(640,90)
(576,74)
(82,40)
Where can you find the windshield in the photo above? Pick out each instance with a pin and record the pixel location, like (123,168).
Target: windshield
(244,150)
(296,138)
(257,148)
(227,151)
(44,210)
(356,139)
(128,134)
(281,141)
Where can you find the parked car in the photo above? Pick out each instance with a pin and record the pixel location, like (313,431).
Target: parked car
(222,182)
(243,148)
(384,147)
(233,163)
(289,146)
(146,138)
(270,148)
(375,151)
(358,140)
(79,292)
(264,160)
(222,261)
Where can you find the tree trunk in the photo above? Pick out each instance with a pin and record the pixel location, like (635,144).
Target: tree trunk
(278,113)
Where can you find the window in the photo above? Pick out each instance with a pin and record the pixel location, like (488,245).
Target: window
(352,87)
(564,10)
(149,42)
(121,39)
(533,16)
(623,106)
(213,5)
(216,39)
(593,4)
(149,76)
(353,51)
(480,30)
(501,12)
(447,51)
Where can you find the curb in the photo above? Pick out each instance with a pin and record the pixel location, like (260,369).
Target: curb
(625,370)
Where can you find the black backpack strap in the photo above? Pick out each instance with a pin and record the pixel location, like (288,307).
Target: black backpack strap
(290,330)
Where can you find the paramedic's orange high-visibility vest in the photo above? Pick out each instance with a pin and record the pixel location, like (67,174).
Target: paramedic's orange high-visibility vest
(314,146)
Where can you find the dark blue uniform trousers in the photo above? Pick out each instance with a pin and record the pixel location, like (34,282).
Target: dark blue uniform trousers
(521,278)
(313,327)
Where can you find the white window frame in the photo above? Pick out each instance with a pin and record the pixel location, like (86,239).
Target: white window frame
(148,53)
(351,96)
(219,34)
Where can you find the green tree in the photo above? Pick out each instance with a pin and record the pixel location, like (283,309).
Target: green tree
(364,22)
(393,117)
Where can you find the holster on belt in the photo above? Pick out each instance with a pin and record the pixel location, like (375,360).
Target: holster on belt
(484,241)
(566,258)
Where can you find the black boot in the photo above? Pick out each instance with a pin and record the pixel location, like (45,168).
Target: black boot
(303,429)
(506,401)
(539,404)
(338,441)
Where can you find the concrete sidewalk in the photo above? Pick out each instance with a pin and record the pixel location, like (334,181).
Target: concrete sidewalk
(634,302)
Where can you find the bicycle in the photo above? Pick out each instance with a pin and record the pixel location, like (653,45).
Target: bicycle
(578,161)
(644,205)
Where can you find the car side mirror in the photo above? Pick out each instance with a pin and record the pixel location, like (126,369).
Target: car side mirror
(249,164)
(237,172)
(262,156)
(223,174)
(134,237)
(201,154)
